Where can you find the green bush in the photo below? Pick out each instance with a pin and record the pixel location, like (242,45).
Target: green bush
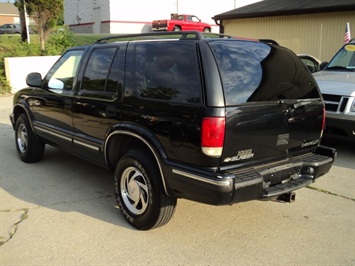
(12,46)
(60,40)
(7,45)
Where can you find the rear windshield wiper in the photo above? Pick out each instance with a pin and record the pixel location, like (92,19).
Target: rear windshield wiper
(339,68)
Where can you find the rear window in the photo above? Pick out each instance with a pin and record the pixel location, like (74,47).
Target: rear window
(253,72)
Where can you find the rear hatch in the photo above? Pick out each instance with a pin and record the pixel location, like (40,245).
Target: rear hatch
(273,105)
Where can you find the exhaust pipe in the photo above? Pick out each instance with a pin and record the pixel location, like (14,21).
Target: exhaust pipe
(288,197)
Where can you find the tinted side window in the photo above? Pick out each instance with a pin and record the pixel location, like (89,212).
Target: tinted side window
(252,72)
(168,71)
(102,78)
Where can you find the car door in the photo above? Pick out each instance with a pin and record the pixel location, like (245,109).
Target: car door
(52,105)
(169,105)
(189,23)
(96,107)
(194,23)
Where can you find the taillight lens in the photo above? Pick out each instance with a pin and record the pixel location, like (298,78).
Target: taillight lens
(212,135)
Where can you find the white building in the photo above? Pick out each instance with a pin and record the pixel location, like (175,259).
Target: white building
(136,16)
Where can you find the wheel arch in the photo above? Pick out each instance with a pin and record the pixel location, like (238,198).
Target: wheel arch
(177,26)
(17,111)
(122,139)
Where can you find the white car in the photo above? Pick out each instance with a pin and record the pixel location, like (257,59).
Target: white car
(311,62)
(337,84)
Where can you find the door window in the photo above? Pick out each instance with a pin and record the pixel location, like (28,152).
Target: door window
(102,76)
(61,77)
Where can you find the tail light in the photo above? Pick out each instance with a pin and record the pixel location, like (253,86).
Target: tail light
(212,135)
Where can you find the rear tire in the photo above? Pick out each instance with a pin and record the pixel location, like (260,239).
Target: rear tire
(139,191)
(29,148)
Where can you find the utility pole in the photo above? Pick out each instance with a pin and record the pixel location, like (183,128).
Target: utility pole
(26,24)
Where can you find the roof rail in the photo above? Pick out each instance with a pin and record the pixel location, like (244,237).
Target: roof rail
(182,35)
(269,41)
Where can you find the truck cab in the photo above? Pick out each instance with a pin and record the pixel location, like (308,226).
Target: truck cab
(337,85)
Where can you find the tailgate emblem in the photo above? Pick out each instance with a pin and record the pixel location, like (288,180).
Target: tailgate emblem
(283,139)
(242,155)
(309,143)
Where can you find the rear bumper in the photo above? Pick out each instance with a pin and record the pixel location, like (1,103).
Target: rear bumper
(265,182)
(160,29)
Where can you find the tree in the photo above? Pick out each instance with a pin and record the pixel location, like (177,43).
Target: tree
(19,5)
(45,13)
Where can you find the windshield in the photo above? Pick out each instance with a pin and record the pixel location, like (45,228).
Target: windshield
(344,59)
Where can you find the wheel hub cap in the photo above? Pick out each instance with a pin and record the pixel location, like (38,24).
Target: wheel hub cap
(22,138)
(134,190)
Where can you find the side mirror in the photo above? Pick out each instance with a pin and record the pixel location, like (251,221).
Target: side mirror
(55,84)
(34,80)
(323,65)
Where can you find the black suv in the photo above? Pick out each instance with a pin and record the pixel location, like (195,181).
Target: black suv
(208,118)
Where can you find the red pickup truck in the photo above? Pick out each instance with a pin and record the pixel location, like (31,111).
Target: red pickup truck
(179,23)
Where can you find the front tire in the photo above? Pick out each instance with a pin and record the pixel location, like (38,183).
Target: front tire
(139,191)
(29,148)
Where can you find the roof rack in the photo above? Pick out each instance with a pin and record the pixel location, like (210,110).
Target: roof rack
(182,35)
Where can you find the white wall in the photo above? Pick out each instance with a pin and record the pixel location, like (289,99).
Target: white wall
(17,68)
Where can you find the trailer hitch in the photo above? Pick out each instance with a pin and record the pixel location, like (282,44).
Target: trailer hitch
(287,197)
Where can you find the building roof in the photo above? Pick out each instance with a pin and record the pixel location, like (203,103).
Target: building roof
(268,8)
(8,9)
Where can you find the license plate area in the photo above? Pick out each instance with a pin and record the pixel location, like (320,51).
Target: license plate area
(280,174)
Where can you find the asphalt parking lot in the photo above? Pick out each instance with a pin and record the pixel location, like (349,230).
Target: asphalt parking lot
(61,211)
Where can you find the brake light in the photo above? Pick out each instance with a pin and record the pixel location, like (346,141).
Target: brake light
(212,135)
